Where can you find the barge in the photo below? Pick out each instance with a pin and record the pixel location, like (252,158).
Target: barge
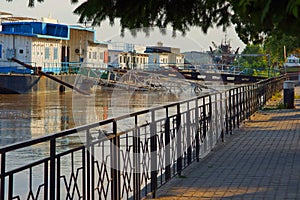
(48,46)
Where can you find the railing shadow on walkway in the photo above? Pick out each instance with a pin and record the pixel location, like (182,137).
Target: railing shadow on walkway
(117,159)
(261,161)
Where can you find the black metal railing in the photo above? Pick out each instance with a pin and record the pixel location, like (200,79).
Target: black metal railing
(127,157)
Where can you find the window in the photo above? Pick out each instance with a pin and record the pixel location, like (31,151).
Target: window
(55,53)
(90,55)
(101,55)
(21,51)
(47,52)
(94,55)
(0,50)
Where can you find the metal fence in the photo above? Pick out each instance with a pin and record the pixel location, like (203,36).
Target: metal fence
(130,156)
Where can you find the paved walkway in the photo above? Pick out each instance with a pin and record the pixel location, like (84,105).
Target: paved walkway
(260,161)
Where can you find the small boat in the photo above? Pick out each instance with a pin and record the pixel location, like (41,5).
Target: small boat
(292,67)
(292,64)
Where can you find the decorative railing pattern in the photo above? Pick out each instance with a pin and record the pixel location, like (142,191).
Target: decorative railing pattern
(114,159)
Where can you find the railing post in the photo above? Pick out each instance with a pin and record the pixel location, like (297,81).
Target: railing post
(226,113)
(209,127)
(167,146)
(136,162)
(197,135)
(2,175)
(252,100)
(188,135)
(217,120)
(153,149)
(222,117)
(234,107)
(58,178)
(52,168)
(243,106)
(178,132)
(230,103)
(204,118)
(46,180)
(92,170)
(88,166)
(204,132)
(115,164)
(83,174)
(238,102)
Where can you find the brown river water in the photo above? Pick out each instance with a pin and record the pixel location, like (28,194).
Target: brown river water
(26,116)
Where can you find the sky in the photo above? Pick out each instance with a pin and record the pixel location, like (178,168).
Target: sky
(62,10)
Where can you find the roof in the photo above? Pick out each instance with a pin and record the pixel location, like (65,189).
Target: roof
(4,13)
(18,19)
(30,27)
(293,57)
(36,29)
(158,49)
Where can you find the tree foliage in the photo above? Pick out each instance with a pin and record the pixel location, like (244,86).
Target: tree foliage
(141,14)
(275,44)
(253,19)
(259,61)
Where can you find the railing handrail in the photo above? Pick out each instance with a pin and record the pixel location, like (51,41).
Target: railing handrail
(108,120)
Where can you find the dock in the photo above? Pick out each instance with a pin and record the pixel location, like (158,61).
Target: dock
(261,160)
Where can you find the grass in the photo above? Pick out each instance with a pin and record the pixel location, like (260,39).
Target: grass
(280,106)
(275,103)
(277,95)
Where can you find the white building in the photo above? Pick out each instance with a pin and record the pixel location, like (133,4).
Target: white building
(127,56)
(164,56)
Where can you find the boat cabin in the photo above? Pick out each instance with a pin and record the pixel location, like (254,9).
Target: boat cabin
(55,47)
(292,61)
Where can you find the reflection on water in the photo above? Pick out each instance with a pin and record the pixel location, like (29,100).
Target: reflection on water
(25,116)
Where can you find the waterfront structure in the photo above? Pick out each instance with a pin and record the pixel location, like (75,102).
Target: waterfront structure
(132,56)
(197,58)
(127,56)
(49,46)
(164,55)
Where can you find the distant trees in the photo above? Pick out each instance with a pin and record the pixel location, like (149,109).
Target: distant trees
(259,61)
(274,45)
(253,19)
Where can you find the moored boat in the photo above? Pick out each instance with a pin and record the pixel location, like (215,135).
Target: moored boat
(48,46)
(292,67)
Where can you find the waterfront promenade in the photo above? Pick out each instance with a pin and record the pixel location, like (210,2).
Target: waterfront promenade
(261,160)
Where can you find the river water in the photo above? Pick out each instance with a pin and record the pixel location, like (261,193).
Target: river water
(26,116)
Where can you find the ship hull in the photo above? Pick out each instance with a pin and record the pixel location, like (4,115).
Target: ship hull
(26,83)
